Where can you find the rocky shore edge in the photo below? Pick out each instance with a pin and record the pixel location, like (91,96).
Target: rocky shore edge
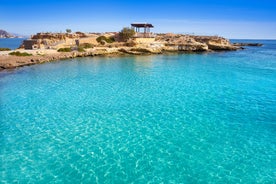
(43,56)
(8,62)
(162,44)
(248,44)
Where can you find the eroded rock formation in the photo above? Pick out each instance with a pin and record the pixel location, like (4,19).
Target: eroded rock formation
(162,43)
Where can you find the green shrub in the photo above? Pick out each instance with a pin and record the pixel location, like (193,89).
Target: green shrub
(87,45)
(100,39)
(5,49)
(68,31)
(17,53)
(126,33)
(81,49)
(64,50)
(110,39)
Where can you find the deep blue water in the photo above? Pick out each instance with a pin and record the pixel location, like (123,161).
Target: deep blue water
(187,118)
(12,43)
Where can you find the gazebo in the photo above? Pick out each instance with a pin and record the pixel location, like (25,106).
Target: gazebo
(146,33)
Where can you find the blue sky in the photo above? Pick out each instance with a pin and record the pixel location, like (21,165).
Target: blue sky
(228,18)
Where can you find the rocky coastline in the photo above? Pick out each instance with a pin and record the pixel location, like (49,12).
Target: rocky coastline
(248,44)
(161,44)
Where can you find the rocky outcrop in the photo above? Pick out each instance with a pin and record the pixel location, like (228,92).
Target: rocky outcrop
(217,47)
(215,43)
(161,44)
(10,62)
(248,44)
(179,42)
(140,50)
(186,47)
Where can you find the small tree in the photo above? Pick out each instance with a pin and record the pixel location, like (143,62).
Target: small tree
(68,31)
(126,33)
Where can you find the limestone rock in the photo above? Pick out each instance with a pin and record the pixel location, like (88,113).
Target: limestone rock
(248,44)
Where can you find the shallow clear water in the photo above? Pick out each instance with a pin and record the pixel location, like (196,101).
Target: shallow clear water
(191,118)
(11,43)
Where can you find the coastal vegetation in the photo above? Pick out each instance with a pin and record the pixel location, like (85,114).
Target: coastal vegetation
(81,49)
(5,49)
(68,31)
(87,45)
(17,53)
(67,49)
(64,49)
(126,33)
(103,39)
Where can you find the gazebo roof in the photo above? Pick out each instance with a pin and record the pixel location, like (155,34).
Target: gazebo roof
(141,25)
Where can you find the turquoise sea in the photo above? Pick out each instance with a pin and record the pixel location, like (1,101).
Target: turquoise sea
(180,118)
(11,43)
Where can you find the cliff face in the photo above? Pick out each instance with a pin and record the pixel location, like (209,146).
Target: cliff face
(215,42)
(176,43)
(57,40)
(180,42)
